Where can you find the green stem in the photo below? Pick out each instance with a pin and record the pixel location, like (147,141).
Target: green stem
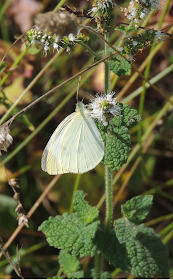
(89,49)
(4,8)
(98,266)
(107,67)
(108,174)
(108,171)
(109,202)
(74,190)
(13,65)
(125,34)
(59,5)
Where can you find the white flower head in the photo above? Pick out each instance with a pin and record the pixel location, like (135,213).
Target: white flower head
(103,105)
(71,37)
(103,5)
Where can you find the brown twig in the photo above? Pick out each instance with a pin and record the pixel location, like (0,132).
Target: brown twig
(32,210)
(6,254)
(145,28)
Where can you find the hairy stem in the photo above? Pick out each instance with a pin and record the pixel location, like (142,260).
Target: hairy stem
(108,172)
(109,202)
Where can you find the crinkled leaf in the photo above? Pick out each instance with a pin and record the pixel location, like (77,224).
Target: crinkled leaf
(129,115)
(116,137)
(85,212)
(113,250)
(117,149)
(148,255)
(143,254)
(137,208)
(70,233)
(70,265)
(120,66)
(125,230)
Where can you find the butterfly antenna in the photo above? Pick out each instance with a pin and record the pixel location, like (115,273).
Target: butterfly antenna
(78,88)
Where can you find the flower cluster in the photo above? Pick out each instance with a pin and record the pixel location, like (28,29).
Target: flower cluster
(136,43)
(103,5)
(103,105)
(51,43)
(103,12)
(139,9)
(55,30)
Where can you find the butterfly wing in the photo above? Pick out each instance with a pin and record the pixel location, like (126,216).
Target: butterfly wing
(50,161)
(82,147)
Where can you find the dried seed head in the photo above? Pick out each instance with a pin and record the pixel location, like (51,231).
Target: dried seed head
(13,182)
(5,138)
(60,23)
(22,218)
(16,197)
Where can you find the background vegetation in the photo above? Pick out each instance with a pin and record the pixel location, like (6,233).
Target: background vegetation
(149,169)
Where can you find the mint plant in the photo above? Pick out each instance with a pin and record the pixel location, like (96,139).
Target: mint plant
(126,243)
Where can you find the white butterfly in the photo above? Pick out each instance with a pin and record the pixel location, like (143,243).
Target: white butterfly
(76,145)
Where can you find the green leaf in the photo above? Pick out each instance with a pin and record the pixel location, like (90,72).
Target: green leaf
(137,208)
(116,137)
(146,254)
(129,115)
(120,66)
(70,265)
(114,251)
(3,67)
(117,149)
(125,230)
(85,212)
(70,233)
(34,49)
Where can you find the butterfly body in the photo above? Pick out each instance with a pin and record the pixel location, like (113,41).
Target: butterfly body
(75,146)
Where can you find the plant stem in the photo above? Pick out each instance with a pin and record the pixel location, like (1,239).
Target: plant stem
(109,202)
(74,190)
(107,67)
(108,173)
(98,266)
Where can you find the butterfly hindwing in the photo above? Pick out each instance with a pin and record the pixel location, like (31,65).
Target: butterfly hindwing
(75,146)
